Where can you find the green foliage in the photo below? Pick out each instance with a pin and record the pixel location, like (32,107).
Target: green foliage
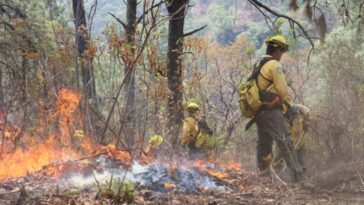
(117,190)
(215,141)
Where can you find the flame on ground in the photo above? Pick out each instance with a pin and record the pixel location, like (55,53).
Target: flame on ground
(169,185)
(22,162)
(201,166)
(232,166)
(67,143)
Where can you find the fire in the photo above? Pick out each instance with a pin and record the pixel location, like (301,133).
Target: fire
(201,166)
(232,166)
(114,153)
(22,162)
(169,185)
(66,104)
(35,151)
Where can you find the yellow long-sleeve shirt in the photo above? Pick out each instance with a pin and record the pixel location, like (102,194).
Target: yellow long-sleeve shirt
(273,71)
(190,131)
(193,133)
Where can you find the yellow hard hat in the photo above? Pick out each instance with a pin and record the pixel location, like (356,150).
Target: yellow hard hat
(193,105)
(155,140)
(277,40)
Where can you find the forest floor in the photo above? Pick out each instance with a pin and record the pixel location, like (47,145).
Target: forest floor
(239,187)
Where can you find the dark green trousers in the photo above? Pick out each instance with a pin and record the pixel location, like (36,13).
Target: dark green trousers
(271,125)
(195,153)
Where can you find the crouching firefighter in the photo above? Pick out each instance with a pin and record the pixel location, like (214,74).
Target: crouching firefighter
(195,133)
(267,87)
(298,117)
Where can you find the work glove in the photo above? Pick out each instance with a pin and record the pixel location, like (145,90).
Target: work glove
(293,110)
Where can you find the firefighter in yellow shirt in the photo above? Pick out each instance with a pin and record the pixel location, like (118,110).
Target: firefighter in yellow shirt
(298,119)
(195,133)
(273,91)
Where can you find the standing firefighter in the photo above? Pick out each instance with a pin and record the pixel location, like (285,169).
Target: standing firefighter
(265,97)
(195,133)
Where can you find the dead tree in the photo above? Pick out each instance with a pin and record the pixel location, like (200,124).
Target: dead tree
(176,10)
(129,119)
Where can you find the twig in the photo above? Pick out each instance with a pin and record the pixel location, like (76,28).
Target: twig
(97,183)
(149,10)
(292,22)
(194,31)
(277,177)
(113,106)
(120,21)
(359,175)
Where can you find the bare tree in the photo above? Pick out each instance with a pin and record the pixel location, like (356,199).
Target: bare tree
(84,60)
(130,90)
(176,10)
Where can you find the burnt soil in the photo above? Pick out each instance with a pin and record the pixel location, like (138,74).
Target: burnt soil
(241,188)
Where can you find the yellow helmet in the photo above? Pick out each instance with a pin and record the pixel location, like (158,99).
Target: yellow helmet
(277,40)
(193,105)
(155,140)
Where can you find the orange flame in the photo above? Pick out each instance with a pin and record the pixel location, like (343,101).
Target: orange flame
(66,104)
(57,147)
(114,153)
(169,185)
(232,166)
(201,166)
(22,162)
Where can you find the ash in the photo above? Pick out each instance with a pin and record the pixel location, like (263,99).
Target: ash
(157,176)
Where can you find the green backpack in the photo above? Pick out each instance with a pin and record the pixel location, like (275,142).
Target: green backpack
(249,98)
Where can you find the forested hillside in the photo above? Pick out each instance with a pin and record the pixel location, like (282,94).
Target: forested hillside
(95,97)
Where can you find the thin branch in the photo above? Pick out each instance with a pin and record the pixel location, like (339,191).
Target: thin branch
(120,21)
(16,10)
(257,4)
(149,10)
(194,31)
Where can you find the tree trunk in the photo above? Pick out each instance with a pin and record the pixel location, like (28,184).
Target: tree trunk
(84,61)
(129,119)
(176,11)
(2,97)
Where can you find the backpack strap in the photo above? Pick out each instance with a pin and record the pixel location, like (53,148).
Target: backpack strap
(257,70)
(257,67)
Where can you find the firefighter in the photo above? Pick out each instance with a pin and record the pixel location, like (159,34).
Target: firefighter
(154,144)
(297,118)
(276,100)
(195,133)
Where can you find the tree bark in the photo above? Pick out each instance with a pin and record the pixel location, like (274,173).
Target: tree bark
(176,10)
(129,119)
(2,97)
(84,61)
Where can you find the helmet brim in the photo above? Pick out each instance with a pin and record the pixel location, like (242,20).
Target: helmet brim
(277,43)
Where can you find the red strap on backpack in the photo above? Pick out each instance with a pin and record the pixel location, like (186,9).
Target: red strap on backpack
(276,100)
